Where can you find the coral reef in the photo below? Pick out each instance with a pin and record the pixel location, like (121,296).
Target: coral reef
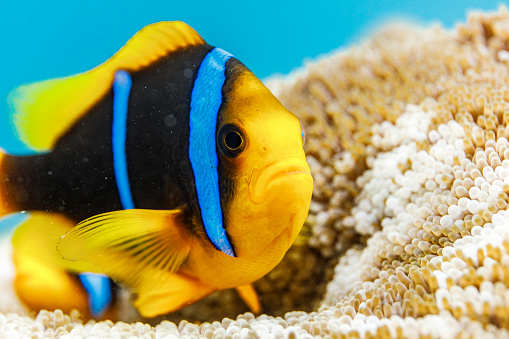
(407,139)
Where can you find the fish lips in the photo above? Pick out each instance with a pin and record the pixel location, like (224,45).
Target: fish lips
(281,193)
(291,174)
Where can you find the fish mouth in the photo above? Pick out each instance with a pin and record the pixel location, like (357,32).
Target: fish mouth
(262,180)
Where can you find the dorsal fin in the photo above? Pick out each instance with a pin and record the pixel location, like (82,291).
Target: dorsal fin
(41,112)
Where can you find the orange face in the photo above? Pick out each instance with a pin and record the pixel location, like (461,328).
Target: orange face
(262,158)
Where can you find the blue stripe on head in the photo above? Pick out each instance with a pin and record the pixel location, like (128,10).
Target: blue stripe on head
(121,90)
(206,99)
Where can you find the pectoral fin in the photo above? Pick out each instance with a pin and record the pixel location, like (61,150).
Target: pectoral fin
(128,245)
(250,297)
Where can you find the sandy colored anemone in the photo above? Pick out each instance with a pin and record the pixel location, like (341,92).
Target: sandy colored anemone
(407,140)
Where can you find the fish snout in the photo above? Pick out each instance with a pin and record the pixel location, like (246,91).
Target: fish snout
(288,177)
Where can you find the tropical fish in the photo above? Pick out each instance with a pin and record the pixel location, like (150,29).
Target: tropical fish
(170,168)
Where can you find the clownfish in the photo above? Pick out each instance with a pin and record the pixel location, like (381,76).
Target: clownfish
(170,168)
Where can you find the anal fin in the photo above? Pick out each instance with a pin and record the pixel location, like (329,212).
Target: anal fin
(41,281)
(40,286)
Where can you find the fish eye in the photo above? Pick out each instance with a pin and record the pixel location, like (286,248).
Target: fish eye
(231,140)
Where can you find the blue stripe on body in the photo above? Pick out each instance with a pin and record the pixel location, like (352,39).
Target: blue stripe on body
(98,287)
(206,99)
(9,222)
(121,90)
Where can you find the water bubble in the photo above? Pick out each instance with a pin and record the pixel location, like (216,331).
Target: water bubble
(170,120)
(188,73)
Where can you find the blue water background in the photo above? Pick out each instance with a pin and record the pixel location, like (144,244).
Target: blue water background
(45,39)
